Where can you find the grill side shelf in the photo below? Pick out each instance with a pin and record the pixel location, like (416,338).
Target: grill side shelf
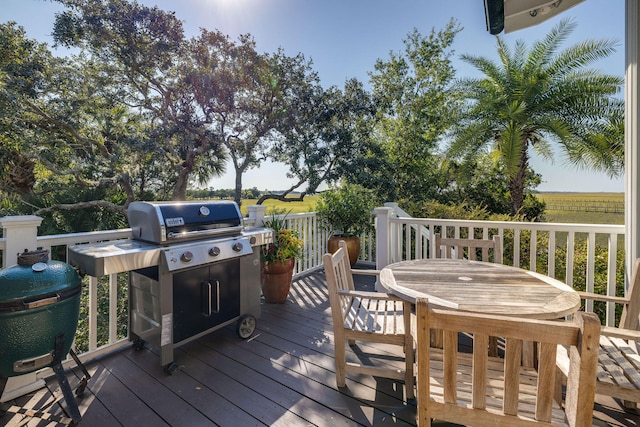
(101,259)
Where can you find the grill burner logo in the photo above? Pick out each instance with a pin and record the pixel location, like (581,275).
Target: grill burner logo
(174,222)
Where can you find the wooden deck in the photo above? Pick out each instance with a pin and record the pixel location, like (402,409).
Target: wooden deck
(282,376)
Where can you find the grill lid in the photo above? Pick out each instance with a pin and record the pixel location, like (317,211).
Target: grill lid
(164,222)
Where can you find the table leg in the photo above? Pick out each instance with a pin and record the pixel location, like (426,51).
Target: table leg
(493,346)
(529,356)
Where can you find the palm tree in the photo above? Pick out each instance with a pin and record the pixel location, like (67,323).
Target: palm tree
(535,98)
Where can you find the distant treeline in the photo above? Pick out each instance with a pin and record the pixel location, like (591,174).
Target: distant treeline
(227,193)
(223,193)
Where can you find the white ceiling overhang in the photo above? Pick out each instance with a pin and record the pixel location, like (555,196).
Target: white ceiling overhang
(512,15)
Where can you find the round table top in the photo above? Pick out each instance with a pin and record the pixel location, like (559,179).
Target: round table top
(480,287)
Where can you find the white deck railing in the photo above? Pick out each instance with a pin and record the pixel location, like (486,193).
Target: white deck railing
(398,237)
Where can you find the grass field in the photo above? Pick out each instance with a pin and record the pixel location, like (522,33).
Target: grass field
(307,205)
(550,197)
(575,200)
(582,208)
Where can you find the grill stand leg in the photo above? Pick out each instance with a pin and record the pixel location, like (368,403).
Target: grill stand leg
(72,404)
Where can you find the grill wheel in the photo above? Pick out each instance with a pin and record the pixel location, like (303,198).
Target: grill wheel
(246,326)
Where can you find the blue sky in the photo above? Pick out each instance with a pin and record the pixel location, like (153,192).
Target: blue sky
(344,38)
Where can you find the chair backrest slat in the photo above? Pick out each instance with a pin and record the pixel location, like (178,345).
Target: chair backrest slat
(450,366)
(512,363)
(546,381)
(479,371)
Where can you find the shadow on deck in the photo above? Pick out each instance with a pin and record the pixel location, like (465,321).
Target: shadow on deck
(284,375)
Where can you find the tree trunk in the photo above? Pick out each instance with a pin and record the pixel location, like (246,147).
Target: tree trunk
(180,189)
(237,192)
(517,183)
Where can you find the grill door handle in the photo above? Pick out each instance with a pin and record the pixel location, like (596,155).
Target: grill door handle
(208,293)
(206,290)
(217,296)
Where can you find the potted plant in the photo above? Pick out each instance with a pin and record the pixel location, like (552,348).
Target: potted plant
(346,212)
(278,259)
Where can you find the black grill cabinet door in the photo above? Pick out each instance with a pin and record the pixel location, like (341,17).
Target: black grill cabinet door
(205,297)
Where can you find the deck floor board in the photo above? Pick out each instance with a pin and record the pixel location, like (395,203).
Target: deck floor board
(284,375)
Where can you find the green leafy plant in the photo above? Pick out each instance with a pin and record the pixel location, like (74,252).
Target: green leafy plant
(346,210)
(286,243)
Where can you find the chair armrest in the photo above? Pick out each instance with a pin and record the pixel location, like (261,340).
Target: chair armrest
(625,334)
(605,298)
(370,295)
(366,272)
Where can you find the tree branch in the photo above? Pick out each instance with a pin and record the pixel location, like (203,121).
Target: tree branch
(281,197)
(82,205)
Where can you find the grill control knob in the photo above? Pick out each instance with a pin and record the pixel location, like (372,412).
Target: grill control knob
(204,211)
(214,251)
(187,256)
(237,246)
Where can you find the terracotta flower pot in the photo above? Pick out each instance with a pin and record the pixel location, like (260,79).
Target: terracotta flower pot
(353,246)
(275,280)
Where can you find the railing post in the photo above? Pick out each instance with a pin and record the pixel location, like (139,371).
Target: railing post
(20,233)
(257,214)
(395,233)
(383,244)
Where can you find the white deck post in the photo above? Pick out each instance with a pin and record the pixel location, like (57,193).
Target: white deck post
(257,214)
(20,233)
(632,137)
(383,245)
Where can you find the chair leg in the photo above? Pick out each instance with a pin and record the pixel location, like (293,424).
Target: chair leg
(341,362)
(409,381)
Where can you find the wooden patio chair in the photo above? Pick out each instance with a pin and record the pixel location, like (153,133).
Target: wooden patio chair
(618,361)
(473,249)
(366,316)
(480,390)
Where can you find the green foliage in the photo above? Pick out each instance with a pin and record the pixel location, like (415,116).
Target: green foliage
(415,108)
(286,244)
(142,112)
(534,98)
(346,210)
(328,136)
(433,209)
(481,182)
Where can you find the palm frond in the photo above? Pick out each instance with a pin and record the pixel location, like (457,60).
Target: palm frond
(544,50)
(579,55)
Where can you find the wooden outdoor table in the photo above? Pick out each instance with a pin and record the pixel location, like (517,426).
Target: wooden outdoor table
(481,287)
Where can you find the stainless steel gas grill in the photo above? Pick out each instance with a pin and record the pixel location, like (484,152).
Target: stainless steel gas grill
(193,268)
